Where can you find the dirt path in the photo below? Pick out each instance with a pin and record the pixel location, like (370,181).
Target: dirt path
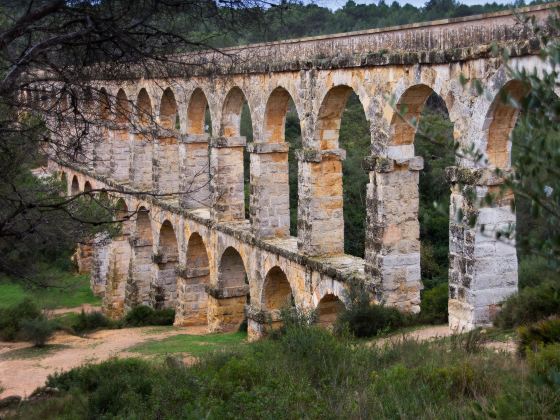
(420,334)
(20,376)
(86,307)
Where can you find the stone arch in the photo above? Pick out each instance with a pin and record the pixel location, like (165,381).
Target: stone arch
(144,108)
(140,274)
(75,186)
(168,110)
(398,230)
(409,107)
(329,117)
(104,104)
(122,108)
(231,271)
(141,171)
(196,112)
(328,309)
(275,115)
(227,305)
(192,298)
(87,187)
(322,231)
(166,259)
(500,122)
(231,113)
(276,292)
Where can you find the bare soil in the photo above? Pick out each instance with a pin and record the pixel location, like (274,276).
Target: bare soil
(21,376)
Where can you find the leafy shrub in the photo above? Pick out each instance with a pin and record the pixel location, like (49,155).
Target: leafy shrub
(142,315)
(11,318)
(364,319)
(369,320)
(530,305)
(544,332)
(545,362)
(534,271)
(433,307)
(37,330)
(89,321)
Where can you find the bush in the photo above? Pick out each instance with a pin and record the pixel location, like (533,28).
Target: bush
(530,305)
(545,362)
(534,336)
(534,271)
(11,318)
(37,330)
(433,307)
(89,321)
(364,319)
(142,315)
(369,320)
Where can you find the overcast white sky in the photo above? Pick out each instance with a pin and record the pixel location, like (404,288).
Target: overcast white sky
(335,4)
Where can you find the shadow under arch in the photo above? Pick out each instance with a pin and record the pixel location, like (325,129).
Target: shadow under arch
(140,276)
(328,309)
(192,297)
(227,302)
(166,260)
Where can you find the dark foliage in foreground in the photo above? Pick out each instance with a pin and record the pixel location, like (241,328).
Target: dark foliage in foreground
(306,373)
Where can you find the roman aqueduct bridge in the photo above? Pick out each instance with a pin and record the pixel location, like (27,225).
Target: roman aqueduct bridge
(196,251)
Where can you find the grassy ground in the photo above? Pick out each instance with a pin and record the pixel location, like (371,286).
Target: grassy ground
(195,345)
(307,373)
(71,291)
(32,352)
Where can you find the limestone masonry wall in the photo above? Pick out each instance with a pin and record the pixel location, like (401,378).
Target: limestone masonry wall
(189,244)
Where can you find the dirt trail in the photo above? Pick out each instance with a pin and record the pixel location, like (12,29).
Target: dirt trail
(86,307)
(22,376)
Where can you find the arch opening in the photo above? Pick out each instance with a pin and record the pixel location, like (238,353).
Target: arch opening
(87,187)
(198,114)
(342,128)
(500,123)
(144,108)
(328,309)
(421,127)
(228,313)
(192,298)
(168,116)
(122,108)
(140,276)
(75,186)
(166,259)
(277,292)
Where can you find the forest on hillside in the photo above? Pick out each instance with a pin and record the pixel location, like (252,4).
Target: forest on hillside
(296,19)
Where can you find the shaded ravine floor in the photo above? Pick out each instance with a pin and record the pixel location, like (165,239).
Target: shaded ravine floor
(21,376)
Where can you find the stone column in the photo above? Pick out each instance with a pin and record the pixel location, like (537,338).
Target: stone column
(226,307)
(260,322)
(166,163)
(117,275)
(270,190)
(84,257)
(194,168)
(102,150)
(482,268)
(393,232)
(141,161)
(120,153)
(140,272)
(226,178)
(192,299)
(320,216)
(100,263)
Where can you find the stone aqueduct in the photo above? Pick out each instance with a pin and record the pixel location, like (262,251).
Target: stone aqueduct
(198,253)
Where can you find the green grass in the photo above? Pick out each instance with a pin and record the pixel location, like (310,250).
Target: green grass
(70,291)
(195,345)
(32,352)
